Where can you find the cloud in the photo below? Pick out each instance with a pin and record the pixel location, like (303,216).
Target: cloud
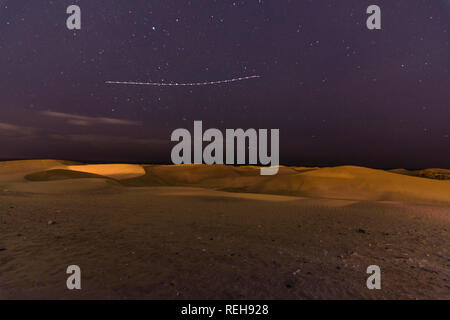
(9,127)
(107,140)
(16,130)
(89,121)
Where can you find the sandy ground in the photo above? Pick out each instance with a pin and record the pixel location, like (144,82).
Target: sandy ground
(178,233)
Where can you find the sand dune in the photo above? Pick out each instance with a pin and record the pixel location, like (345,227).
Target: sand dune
(116,171)
(200,192)
(345,182)
(11,167)
(220,232)
(16,170)
(70,186)
(358,183)
(433,173)
(61,174)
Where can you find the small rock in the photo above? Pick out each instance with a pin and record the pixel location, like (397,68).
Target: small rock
(351,253)
(289,284)
(2,249)
(51,222)
(361,231)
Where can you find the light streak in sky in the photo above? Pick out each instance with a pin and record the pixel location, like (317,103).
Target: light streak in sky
(177,84)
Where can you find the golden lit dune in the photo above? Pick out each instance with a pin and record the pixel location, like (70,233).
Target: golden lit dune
(53,176)
(357,183)
(9,167)
(16,170)
(115,171)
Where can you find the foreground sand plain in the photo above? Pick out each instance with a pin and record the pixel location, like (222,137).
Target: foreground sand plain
(212,232)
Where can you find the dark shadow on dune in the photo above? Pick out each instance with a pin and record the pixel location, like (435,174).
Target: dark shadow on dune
(149,179)
(61,174)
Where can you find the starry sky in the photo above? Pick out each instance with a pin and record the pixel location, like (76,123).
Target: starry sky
(339,93)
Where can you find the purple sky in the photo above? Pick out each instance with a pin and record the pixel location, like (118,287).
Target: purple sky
(339,93)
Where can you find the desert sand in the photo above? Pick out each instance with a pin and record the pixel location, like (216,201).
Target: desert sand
(222,232)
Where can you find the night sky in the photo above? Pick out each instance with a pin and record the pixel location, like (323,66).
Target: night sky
(339,93)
